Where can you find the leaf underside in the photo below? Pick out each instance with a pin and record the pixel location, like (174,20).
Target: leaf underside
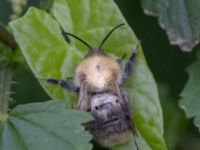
(179,18)
(50,56)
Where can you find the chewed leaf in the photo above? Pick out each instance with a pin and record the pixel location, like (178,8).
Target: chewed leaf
(179,18)
(49,56)
(190,95)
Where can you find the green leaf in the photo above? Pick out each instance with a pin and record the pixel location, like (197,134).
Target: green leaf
(46,125)
(45,49)
(190,95)
(171,112)
(49,56)
(143,94)
(179,18)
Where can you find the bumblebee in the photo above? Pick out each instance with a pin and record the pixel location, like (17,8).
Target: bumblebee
(97,82)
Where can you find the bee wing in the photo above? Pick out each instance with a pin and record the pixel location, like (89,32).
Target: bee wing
(83,99)
(127,108)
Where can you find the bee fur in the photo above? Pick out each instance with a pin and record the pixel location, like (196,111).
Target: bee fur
(97,82)
(100,71)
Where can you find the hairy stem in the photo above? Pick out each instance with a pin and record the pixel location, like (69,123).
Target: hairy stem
(5,90)
(7,38)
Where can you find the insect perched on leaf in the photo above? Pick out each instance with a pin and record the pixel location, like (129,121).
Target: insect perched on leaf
(98,81)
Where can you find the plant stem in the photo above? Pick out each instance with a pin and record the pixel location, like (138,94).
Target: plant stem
(6,72)
(7,38)
(5,90)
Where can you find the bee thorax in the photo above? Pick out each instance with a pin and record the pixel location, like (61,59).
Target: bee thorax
(98,71)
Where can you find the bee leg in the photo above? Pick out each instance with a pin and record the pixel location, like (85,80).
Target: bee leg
(63,83)
(129,65)
(126,105)
(130,119)
(83,100)
(127,108)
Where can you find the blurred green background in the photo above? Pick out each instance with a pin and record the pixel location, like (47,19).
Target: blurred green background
(167,62)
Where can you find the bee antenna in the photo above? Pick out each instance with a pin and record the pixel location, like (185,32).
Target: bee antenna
(76,37)
(106,37)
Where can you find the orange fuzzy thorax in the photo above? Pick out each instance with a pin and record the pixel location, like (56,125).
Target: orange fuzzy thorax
(98,70)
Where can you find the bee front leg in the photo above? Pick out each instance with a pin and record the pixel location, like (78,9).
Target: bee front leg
(63,83)
(129,65)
